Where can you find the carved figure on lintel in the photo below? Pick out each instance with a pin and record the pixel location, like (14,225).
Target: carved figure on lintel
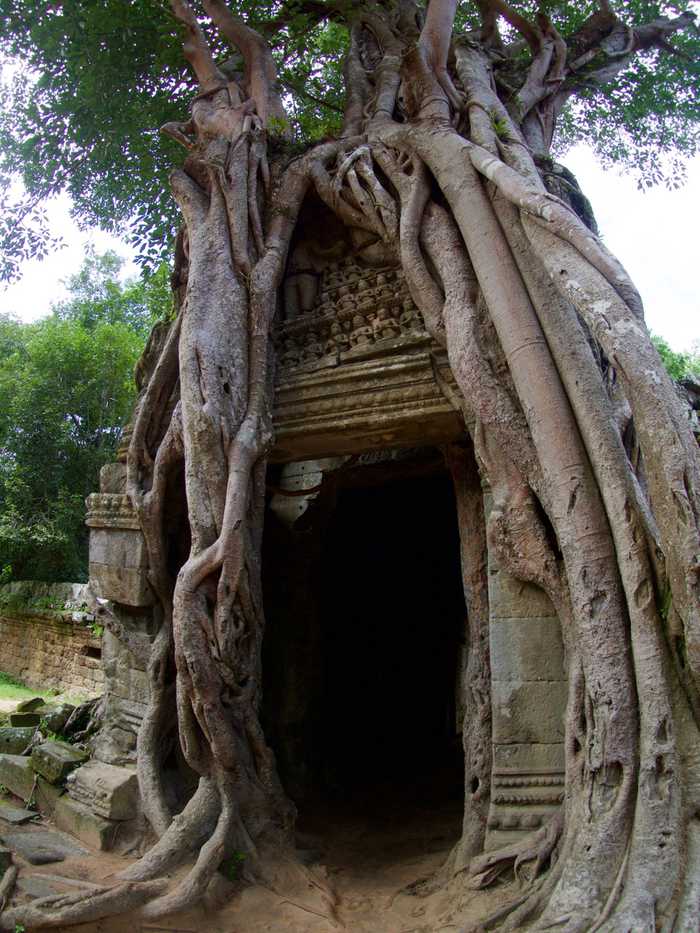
(384,326)
(337,341)
(410,319)
(362,334)
(306,263)
(291,354)
(313,350)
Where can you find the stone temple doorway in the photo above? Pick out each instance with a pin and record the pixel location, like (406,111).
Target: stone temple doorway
(366,620)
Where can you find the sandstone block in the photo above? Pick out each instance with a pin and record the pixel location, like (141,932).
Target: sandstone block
(42,848)
(55,760)
(55,717)
(527,649)
(15,815)
(512,599)
(528,711)
(24,719)
(529,757)
(108,791)
(75,818)
(29,706)
(15,739)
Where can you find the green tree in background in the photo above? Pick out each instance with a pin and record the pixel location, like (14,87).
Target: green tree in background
(678,364)
(66,389)
(92,80)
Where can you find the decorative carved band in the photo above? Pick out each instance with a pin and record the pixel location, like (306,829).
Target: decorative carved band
(110,510)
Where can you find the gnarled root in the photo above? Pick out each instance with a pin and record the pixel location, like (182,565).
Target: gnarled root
(537,847)
(63,909)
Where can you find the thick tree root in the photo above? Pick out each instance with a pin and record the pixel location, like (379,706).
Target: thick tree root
(60,910)
(538,847)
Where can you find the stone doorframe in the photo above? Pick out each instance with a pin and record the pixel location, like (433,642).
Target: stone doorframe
(391,389)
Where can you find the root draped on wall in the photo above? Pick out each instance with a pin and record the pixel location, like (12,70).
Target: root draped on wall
(577,430)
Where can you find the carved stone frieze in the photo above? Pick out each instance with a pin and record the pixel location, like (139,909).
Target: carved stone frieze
(355,307)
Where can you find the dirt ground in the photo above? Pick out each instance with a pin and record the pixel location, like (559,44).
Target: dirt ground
(361,861)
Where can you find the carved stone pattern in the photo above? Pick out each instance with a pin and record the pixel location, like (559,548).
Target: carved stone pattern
(110,510)
(529,799)
(555,781)
(356,307)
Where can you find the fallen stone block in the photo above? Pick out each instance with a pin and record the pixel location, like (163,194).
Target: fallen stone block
(42,847)
(54,718)
(15,740)
(15,815)
(55,760)
(18,775)
(28,706)
(107,790)
(24,719)
(33,887)
(75,818)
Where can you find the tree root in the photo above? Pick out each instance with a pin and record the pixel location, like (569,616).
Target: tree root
(7,885)
(55,911)
(539,846)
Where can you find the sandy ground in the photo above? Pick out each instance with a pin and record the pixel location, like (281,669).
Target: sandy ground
(361,861)
(361,856)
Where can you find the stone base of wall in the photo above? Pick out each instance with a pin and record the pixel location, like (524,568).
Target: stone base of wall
(46,639)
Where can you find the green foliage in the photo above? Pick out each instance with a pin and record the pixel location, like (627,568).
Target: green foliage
(91,81)
(678,365)
(66,389)
(232,867)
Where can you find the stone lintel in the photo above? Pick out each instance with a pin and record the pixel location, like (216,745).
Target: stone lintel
(390,401)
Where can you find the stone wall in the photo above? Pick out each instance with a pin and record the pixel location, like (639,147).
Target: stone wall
(46,640)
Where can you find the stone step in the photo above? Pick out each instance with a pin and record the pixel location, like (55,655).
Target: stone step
(75,818)
(55,760)
(15,815)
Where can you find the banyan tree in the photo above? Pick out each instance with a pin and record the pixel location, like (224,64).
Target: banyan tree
(442,170)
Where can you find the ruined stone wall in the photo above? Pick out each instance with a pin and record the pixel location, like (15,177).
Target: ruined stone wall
(46,639)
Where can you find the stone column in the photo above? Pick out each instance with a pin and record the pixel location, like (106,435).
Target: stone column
(529,692)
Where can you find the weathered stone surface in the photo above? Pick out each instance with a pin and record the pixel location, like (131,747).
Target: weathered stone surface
(15,815)
(512,599)
(527,649)
(55,760)
(29,706)
(49,647)
(5,860)
(118,558)
(537,756)
(14,740)
(108,791)
(17,774)
(42,846)
(33,888)
(24,719)
(528,711)
(81,822)
(54,718)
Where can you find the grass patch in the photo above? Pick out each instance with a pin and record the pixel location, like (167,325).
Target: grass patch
(13,689)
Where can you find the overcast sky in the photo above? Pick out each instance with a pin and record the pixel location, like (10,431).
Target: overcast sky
(654,234)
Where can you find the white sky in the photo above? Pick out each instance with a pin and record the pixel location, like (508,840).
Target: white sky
(654,234)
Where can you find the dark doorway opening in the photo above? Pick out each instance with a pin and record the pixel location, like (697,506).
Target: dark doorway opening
(364,641)
(392,619)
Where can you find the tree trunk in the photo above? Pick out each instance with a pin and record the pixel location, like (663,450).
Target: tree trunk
(435,166)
